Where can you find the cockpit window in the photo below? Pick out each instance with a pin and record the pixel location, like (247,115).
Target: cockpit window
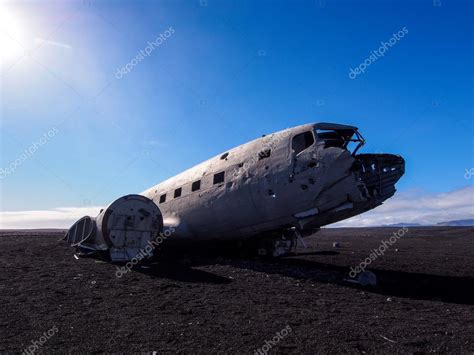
(348,139)
(332,138)
(302,141)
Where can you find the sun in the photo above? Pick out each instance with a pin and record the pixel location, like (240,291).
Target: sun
(11,34)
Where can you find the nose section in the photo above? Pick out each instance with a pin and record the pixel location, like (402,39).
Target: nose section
(353,185)
(380,173)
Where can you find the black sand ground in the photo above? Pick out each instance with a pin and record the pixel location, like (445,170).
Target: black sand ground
(424,301)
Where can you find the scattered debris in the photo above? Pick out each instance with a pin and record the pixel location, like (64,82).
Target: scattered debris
(390,340)
(366,278)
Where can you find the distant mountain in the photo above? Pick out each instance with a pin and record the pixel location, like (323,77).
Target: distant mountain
(458,223)
(404,225)
(454,223)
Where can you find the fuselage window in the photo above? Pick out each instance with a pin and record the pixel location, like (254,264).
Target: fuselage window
(177,192)
(196,185)
(163,198)
(219,178)
(302,141)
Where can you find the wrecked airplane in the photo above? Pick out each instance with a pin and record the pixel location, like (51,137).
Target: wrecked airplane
(268,193)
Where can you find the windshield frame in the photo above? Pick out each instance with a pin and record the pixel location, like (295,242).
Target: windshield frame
(345,134)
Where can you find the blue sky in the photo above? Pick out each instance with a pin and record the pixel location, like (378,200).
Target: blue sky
(229,72)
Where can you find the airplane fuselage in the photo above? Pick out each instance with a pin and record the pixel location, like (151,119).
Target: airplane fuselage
(284,185)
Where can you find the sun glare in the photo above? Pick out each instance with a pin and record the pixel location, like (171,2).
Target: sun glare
(11,34)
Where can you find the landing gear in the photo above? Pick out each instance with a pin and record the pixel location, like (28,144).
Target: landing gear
(275,248)
(279,243)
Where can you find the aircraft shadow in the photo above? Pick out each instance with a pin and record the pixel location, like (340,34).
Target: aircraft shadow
(179,272)
(391,283)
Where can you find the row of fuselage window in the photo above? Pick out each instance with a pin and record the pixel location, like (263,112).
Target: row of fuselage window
(195,186)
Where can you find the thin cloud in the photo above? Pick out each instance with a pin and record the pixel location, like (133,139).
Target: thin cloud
(416,207)
(56,218)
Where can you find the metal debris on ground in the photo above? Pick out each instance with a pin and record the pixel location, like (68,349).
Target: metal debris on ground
(390,340)
(366,278)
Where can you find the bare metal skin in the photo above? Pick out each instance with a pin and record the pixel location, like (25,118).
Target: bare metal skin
(276,188)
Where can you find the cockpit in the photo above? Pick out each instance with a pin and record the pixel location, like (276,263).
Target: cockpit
(339,136)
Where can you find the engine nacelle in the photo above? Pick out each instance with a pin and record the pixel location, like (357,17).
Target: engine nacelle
(122,231)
